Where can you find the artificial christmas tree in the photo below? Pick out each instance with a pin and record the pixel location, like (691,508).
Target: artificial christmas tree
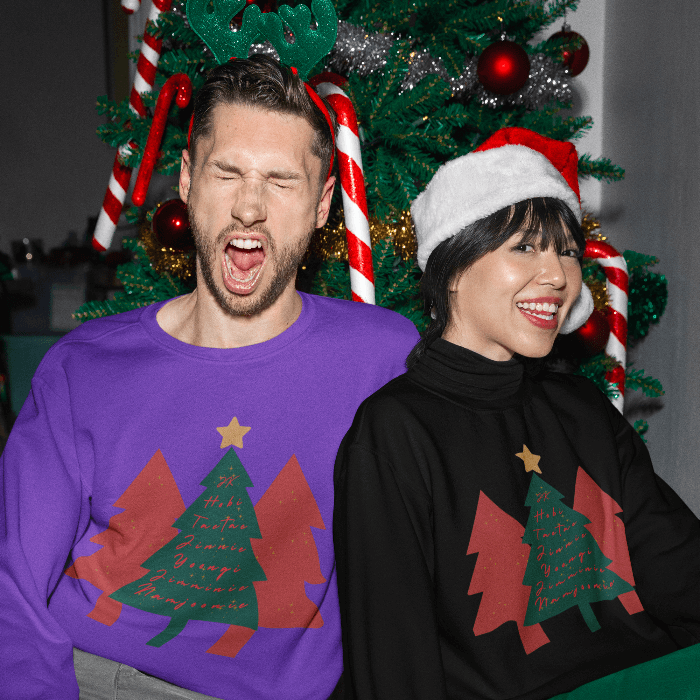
(412,73)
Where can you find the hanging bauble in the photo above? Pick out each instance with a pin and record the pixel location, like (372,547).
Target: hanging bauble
(264,5)
(592,337)
(171,225)
(503,67)
(574,49)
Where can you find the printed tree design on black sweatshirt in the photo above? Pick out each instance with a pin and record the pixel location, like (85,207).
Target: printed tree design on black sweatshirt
(566,566)
(207,571)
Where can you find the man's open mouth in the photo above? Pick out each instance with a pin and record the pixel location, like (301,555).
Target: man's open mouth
(244,259)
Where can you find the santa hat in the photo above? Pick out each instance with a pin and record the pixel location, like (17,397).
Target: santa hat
(513,165)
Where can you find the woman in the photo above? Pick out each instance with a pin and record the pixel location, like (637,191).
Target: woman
(499,530)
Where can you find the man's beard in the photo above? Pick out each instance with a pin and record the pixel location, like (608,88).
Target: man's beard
(285,263)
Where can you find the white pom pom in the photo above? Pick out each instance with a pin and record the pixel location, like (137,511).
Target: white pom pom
(580,311)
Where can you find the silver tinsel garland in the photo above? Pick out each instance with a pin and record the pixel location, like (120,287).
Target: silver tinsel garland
(361,52)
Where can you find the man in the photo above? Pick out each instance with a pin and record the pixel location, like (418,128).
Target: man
(167,488)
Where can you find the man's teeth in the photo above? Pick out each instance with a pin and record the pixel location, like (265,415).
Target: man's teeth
(547,311)
(246,243)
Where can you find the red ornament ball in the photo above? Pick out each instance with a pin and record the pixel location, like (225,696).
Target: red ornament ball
(171,225)
(593,335)
(503,67)
(575,59)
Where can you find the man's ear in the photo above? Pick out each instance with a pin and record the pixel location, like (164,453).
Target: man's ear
(324,204)
(185,176)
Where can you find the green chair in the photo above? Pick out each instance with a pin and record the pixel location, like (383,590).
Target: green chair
(671,677)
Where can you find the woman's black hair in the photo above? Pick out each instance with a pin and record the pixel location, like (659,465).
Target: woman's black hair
(544,219)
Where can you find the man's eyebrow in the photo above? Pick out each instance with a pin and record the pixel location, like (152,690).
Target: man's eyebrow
(285,175)
(227,167)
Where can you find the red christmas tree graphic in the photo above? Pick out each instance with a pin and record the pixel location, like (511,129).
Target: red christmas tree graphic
(498,573)
(151,504)
(287,552)
(608,531)
(206,572)
(566,566)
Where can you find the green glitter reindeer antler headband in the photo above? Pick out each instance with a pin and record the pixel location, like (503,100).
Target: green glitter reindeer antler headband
(211,20)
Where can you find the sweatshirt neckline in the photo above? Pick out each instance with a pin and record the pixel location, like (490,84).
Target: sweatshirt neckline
(465,376)
(257,351)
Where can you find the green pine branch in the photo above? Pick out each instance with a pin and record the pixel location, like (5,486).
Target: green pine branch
(637,380)
(639,262)
(595,368)
(641,426)
(599,168)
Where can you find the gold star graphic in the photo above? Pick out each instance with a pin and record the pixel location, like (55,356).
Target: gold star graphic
(530,460)
(232,434)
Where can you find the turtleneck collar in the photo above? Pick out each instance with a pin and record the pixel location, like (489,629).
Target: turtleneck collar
(465,376)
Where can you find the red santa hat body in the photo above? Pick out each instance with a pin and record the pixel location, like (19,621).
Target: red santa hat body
(511,166)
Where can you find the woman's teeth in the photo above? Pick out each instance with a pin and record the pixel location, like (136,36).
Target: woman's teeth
(544,311)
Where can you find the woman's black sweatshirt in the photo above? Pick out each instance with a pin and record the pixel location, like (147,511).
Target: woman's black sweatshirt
(503,536)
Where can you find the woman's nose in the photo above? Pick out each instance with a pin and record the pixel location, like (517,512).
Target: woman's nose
(552,272)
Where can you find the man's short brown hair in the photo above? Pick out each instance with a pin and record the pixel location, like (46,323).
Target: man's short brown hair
(261,81)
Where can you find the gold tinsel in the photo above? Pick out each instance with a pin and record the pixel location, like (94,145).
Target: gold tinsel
(331,241)
(599,289)
(591,228)
(179,263)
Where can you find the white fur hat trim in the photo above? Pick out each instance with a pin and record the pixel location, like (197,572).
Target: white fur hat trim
(579,312)
(478,184)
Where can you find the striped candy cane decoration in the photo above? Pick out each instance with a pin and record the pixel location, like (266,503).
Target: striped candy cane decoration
(130,6)
(179,87)
(352,183)
(615,269)
(121,175)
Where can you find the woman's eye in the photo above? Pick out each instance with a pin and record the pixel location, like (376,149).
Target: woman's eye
(570,253)
(524,248)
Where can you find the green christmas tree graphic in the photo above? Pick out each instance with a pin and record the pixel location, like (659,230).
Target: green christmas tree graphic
(207,571)
(566,567)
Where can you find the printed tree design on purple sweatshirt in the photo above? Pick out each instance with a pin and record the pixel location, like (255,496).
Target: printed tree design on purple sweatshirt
(566,566)
(207,571)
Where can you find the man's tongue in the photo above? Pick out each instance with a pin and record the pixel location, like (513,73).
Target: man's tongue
(245,259)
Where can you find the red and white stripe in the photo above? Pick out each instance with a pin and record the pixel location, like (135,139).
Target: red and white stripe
(130,6)
(352,183)
(615,269)
(121,175)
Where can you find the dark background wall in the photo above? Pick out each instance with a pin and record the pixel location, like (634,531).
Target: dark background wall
(55,169)
(652,128)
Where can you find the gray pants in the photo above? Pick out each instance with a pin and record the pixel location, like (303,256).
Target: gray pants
(102,679)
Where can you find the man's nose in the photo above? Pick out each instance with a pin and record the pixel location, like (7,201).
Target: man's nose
(248,205)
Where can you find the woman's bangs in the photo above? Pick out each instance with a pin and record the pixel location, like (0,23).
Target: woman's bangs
(551,224)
